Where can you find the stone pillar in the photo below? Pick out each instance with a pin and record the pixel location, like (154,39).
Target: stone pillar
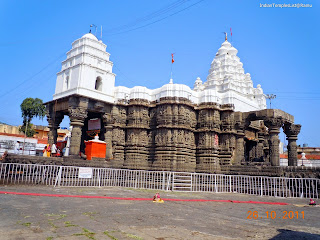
(292,131)
(227,136)
(119,118)
(137,139)
(259,154)
(208,139)
(239,158)
(77,116)
(54,119)
(108,125)
(274,125)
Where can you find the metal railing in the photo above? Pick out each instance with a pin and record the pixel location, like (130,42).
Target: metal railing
(71,176)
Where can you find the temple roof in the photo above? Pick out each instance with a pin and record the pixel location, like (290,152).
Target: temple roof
(91,36)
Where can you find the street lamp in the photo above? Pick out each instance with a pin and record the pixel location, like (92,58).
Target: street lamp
(270,97)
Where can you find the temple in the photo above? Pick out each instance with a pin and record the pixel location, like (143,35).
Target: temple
(222,121)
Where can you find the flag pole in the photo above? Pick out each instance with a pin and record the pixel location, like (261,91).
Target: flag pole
(172,61)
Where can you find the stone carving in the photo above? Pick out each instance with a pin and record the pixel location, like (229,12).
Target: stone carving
(78,114)
(292,129)
(174,134)
(108,119)
(118,136)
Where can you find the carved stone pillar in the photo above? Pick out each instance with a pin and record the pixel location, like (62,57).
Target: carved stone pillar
(54,119)
(108,125)
(227,137)
(77,117)
(239,158)
(137,138)
(119,116)
(274,125)
(292,131)
(260,146)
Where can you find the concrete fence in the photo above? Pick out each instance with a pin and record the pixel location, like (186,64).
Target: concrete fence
(71,176)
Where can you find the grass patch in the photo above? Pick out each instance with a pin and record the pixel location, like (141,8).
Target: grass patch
(49,238)
(109,235)
(56,216)
(134,236)
(90,214)
(69,224)
(86,233)
(27,224)
(52,224)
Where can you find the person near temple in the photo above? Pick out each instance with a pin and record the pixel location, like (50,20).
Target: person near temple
(58,153)
(48,150)
(53,150)
(45,154)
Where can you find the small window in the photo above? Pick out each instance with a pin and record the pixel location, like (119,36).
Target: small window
(67,83)
(98,85)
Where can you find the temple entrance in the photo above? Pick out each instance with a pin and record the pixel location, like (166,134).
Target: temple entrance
(251,151)
(92,125)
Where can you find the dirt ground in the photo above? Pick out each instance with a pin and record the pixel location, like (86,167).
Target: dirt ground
(39,217)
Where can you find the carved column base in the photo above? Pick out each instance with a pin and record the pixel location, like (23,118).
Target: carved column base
(118,157)
(174,158)
(136,157)
(225,157)
(207,161)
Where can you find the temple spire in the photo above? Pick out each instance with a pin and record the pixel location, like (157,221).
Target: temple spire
(226,36)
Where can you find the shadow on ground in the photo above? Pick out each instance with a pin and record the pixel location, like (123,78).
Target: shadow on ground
(289,234)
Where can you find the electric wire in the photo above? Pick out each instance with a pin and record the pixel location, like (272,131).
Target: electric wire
(32,77)
(161,19)
(150,16)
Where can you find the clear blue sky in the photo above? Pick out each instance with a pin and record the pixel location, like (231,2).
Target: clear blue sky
(279,47)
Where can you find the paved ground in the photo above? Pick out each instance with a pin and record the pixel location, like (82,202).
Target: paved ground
(36,217)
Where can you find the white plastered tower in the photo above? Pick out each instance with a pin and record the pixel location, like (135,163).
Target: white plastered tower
(87,71)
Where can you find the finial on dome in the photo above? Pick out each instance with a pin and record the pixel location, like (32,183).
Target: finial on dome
(92,25)
(226,36)
(171,81)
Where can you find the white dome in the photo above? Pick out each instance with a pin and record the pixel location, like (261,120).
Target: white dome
(198,80)
(222,50)
(226,44)
(233,51)
(91,36)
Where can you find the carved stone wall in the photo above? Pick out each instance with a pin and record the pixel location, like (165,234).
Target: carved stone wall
(174,134)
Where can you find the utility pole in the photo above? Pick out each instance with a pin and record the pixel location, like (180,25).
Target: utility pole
(270,97)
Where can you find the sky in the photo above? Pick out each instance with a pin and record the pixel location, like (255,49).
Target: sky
(279,47)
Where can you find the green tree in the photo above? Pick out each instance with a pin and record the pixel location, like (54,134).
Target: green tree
(30,108)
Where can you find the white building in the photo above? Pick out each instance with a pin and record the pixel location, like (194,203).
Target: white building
(87,71)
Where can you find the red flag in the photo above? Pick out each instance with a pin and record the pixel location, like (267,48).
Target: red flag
(231,32)
(172,61)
